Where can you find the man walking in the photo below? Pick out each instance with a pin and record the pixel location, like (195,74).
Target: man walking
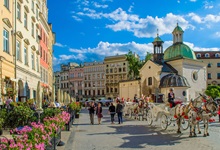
(119,109)
(91,112)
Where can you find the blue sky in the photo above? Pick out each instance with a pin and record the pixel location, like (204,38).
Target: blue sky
(89,30)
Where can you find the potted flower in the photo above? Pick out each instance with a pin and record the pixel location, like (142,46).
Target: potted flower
(1,124)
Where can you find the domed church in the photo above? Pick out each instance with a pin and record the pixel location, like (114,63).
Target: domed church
(176,67)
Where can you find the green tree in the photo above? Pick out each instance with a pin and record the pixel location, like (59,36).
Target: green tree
(213,91)
(148,56)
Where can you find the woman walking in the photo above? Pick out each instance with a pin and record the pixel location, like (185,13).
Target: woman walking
(99,112)
(112,112)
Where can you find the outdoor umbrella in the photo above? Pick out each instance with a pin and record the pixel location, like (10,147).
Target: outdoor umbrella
(58,95)
(38,96)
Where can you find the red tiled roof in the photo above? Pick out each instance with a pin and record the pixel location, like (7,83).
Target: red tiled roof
(211,54)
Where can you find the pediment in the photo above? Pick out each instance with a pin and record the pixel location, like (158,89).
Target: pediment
(26,8)
(27,41)
(33,18)
(37,52)
(33,48)
(7,22)
(19,34)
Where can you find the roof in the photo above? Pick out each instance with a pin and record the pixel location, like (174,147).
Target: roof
(173,80)
(179,50)
(212,54)
(167,67)
(157,39)
(178,29)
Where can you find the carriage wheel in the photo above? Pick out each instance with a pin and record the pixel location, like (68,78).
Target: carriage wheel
(149,118)
(164,122)
(184,124)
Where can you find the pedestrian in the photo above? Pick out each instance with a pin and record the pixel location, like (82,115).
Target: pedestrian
(219,112)
(99,112)
(119,109)
(91,112)
(112,112)
(171,97)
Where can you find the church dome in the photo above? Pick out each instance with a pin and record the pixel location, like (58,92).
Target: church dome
(179,50)
(173,80)
(157,39)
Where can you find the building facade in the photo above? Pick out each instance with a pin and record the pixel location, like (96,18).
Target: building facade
(94,80)
(7,55)
(76,86)
(45,52)
(27,52)
(212,60)
(116,70)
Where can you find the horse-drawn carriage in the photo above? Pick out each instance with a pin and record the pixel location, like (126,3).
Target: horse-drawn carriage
(166,115)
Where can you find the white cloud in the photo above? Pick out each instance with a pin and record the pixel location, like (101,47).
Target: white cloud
(212,18)
(217,34)
(195,17)
(99,5)
(208,5)
(192,0)
(59,45)
(76,18)
(130,8)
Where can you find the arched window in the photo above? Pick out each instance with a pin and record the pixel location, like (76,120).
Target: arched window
(207,55)
(198,55)
(217,55)
(150,81)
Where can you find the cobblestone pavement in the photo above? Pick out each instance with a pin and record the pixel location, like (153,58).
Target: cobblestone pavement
(134,134)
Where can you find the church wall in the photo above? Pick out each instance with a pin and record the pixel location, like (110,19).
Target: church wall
(197,82)
(128,89)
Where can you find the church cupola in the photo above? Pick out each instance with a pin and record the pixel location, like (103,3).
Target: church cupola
(177,35)
(158,49)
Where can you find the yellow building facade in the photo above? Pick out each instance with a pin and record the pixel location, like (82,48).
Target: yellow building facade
(116,70)
(7,67)
(212,59)
(128,89)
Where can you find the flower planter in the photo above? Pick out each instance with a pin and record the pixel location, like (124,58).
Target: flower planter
(76,115)
(1,131)
(55,141)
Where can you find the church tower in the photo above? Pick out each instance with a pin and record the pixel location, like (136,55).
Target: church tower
(158,49)
(177,35)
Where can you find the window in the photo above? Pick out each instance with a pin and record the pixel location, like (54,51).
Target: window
(32,29)
(6,3)
(218,75)
(37,13)
(217,55)
(32,61)
(5,41)
(18,50)
(218,64)
(41,51)
(209,76)
(25,20)
(37,63)
(37,39)
(32,6)
(18,11)
(209,65)
(207,55)
(150,81)
(25,56)
(198,55)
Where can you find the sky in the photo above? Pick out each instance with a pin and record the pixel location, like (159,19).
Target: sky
(89,30)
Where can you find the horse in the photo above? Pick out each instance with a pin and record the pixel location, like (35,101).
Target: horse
(204,112)
(208,110)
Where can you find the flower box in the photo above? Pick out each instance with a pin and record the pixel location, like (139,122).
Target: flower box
(54,141)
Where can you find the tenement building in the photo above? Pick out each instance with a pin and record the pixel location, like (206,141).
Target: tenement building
(212,60)
(116,70)
(94,80)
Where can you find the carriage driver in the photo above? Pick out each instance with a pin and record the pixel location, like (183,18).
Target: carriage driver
(171,97)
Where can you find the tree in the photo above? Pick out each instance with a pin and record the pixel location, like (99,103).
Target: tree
(148,56)
(213,91)
(134,64)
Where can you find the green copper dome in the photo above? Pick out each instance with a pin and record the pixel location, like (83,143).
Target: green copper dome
(158,39)
(178,29)
(179,50)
